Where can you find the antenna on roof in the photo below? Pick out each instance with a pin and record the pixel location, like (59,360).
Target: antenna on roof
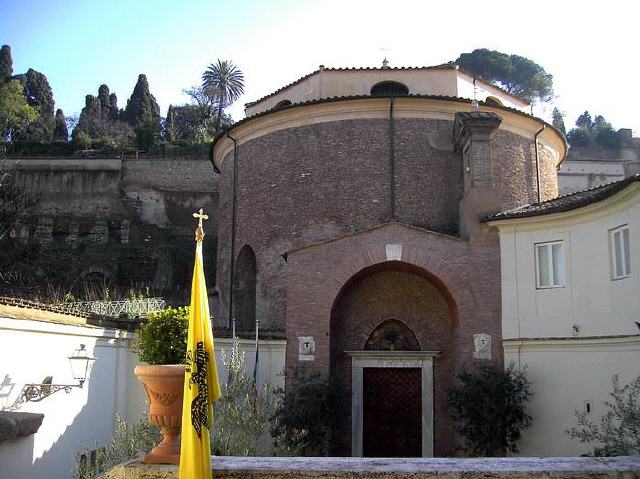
(474,102)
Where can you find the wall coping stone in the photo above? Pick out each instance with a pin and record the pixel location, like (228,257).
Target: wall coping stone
(13,424)
(427,468)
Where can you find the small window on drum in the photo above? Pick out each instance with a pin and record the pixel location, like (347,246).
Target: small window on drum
(389,88)
(282,104)
(493,101)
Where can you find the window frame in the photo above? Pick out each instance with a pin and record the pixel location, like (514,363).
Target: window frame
(625,252)
(550,264)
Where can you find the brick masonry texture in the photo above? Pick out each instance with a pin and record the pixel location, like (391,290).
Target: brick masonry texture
(313,203)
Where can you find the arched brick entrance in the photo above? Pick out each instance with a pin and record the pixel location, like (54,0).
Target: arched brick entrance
(394,291)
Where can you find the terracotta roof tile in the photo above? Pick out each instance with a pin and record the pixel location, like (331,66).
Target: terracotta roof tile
(566,202)
(445,66)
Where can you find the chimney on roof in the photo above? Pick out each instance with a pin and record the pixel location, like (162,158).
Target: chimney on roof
(385,63)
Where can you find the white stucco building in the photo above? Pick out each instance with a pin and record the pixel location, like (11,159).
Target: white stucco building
(570,303)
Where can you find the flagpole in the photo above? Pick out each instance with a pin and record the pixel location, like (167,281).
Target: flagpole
(255,366)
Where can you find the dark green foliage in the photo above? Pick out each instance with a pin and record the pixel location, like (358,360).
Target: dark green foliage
(584,121)
(314,411)
(488,404)
(596,132)
(60,132)
(558,120)
(143,114)
(162,338)
(38,91)
(6,64)
(226,82)
(618,431)
(186,123)
(98,126)
(517,75)
(39,95)
(579,137)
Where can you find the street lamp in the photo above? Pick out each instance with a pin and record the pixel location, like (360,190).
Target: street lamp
(81,364)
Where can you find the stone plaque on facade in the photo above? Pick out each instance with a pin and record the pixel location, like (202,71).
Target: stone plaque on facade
(481,346)
(306,348)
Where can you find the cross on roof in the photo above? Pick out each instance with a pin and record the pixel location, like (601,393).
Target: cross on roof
(201,216)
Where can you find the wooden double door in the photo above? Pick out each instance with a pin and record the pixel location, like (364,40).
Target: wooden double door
(392,419)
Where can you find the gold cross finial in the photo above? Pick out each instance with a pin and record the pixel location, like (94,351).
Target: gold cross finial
(199,231)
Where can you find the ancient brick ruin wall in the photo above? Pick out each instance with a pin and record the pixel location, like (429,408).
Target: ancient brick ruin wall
(126,219)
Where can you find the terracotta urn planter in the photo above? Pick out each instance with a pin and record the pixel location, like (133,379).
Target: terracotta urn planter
(164,386)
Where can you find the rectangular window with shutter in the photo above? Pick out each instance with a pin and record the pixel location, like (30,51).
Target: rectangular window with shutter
(549,265)
(620,257)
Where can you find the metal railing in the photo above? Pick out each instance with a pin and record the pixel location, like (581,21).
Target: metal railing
(114,309)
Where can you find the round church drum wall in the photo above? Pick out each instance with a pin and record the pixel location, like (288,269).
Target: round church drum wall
(382,311)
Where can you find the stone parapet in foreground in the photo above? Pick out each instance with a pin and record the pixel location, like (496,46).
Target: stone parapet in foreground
(363,468)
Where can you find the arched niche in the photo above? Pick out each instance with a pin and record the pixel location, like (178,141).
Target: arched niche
(493,101)
(282,104)
(244,290)
(392,335)
(389,88)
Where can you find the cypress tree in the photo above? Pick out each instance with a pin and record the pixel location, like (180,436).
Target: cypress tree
(39,95)
(114,113)
(143,114)
(60,132)
(105,101)
(6,64)
(558,120)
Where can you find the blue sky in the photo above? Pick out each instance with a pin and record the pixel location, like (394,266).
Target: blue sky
(592,51)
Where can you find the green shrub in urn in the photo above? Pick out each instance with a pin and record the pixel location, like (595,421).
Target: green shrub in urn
(162,339)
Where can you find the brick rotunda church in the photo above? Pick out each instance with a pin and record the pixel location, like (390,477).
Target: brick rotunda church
(349,222)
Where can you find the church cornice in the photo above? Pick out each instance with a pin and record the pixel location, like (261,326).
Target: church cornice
(368,107)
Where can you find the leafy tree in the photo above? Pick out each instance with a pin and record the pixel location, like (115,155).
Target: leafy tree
(6,64)
(584,121)
(143,114)
(558,120)
(579,137)
(489,407)
(97,125)
(618,431)
(15,112)
(297,419)
(243,414)
(226,82)
(596,132)
(60,132)
(517,75)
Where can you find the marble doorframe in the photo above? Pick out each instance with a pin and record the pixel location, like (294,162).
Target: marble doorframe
(391,359)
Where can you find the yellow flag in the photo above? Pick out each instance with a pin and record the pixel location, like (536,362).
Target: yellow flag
(201,384)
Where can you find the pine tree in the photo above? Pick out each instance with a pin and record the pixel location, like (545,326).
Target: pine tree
(143,114)
(6,64)
(60,132)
